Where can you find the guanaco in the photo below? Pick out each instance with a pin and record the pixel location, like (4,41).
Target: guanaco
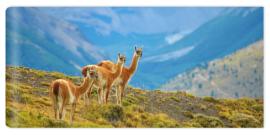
(106,78)
(64,91)
(127,73)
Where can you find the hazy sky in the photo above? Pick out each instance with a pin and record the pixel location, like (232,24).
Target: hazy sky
(137,20)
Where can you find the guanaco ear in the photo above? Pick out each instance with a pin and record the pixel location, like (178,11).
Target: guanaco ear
(135,48)
(84,71)
(118,54)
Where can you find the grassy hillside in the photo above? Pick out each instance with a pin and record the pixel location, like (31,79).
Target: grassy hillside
(234,76)
(28,105)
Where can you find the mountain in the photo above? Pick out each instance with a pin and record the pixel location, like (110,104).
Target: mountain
(41,41)
(65,43)
(28,105)
(231,30)
(237,75)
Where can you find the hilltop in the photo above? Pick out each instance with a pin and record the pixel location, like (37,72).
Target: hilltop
(237,75)
(28,105)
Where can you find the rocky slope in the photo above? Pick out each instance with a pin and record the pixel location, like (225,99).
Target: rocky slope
(28,105)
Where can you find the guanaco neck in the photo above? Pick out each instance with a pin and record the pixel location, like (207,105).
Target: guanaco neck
(83,87)
(134,64)
(119,67)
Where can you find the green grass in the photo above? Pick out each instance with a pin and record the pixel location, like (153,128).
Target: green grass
(28,105)
(200,120)
(210,99)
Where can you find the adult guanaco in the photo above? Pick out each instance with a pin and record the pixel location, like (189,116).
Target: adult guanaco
(126,74)
(64,91)
(106,78)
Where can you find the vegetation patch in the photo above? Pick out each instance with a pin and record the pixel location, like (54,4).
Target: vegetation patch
(210,99)
(201,120)
(175,99)
(28,105)
(244,120)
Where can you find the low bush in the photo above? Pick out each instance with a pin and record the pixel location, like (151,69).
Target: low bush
(201,120)
(244,120)
(210,99)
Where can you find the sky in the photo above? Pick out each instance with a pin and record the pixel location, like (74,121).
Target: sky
(108,27)
(145,21)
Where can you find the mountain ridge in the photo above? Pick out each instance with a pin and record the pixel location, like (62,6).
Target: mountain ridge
(54,43)
(216,38)
(59,45)
(237,75)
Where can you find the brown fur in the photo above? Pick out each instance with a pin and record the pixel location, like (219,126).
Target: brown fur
(63,91)
(126,74)
(105,79)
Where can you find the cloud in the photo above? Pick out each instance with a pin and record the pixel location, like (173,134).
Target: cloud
(171,39)
(170,55)
(136,20)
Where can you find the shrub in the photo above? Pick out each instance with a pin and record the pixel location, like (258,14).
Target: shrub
(247,102)
(129,100)
(210,99)
(46,84)
(15,94)
(40,74)
(224,114)
(135,116)
(10,116)
(202,107)
(29,119)
(244,120)
(47,122)
(57,75)
(207,121)
(257,107)
(161,120)
(113,113)
(8,77)
(175,99)
(188,114)
(189,95)
(136,108)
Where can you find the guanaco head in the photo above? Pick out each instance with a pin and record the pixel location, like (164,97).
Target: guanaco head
(93,72)
(121,58)
(138,52)
(90,71)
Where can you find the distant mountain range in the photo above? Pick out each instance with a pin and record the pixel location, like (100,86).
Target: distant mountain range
(236,75)
(65,46)
(230,31)
(40,41)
